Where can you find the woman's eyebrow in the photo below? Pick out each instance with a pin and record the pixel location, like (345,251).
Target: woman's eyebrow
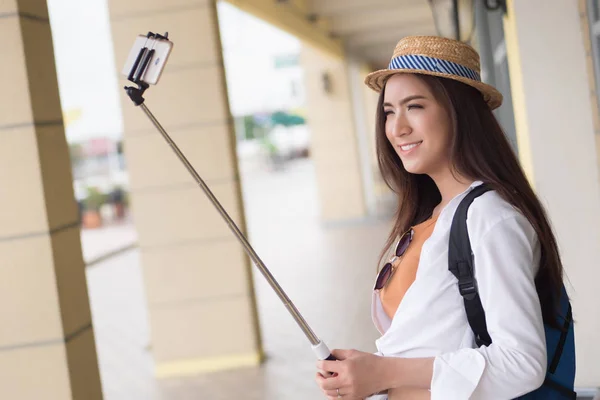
(406,100)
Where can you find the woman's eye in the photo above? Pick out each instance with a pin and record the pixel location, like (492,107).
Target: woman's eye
(411,106)
(387,112)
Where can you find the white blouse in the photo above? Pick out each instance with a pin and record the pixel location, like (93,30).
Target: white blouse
(431,319)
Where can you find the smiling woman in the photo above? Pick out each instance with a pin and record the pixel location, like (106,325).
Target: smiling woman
(437,141)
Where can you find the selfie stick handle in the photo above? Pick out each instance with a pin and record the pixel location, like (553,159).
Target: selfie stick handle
(136,95)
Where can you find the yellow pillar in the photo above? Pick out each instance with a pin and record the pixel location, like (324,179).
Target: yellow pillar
(554,121)
(197,278)
(47,348)
(386,201)
(334,145)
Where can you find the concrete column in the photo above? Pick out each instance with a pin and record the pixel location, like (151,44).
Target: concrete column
(379,198)
(385,200)
(334,141)
(555,132)
(47,348)
(197,277)
(365,133)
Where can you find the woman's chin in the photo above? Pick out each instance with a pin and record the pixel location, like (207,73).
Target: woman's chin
(413,169)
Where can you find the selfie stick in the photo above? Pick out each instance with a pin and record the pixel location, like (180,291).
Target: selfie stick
(136,94)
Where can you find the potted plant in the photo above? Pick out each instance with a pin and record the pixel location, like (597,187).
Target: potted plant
(91,208)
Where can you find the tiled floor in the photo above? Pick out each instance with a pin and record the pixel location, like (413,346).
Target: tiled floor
(100,243)
(327,271)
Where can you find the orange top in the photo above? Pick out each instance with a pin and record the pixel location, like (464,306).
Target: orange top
(405,269)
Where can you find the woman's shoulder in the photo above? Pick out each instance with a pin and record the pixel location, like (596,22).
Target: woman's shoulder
(490,211)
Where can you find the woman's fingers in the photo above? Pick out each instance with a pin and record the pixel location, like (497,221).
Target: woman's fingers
(332,383)
(330,389)
(329,366)
(331,394)
(328,375)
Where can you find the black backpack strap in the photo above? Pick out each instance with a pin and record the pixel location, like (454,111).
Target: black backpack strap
(460,263)
(561,341)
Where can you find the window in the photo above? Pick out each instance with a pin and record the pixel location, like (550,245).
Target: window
(594,10)
(594,22)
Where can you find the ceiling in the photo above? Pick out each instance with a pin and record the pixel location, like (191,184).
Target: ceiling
(370,29)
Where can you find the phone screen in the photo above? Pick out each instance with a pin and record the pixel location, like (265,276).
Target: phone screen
(162,49)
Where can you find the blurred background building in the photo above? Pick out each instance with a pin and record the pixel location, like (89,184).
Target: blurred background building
(120,280)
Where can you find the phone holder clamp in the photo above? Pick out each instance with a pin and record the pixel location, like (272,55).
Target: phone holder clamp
(136,94)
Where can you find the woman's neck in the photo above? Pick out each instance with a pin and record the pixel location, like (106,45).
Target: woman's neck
(449,186)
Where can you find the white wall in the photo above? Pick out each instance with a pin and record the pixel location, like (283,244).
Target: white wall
(557,114)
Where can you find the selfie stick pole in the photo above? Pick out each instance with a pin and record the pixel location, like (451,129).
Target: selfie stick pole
(136,94)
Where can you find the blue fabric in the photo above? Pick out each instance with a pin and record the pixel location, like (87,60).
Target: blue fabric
(564,374)
(433,65)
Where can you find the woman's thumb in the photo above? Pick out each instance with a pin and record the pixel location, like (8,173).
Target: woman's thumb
(341,354)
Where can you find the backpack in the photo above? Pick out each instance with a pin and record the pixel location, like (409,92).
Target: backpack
(560,344)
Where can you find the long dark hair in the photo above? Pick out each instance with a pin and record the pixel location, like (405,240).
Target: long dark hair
(479,150)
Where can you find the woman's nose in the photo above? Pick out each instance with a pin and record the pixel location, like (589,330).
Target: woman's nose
(401,127)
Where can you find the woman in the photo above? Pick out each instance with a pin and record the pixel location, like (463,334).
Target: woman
(437,139)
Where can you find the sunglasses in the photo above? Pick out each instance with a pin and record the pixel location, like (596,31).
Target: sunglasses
(388,269)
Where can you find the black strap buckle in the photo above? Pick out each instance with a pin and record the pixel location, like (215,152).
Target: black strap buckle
(467,287)
(466,281)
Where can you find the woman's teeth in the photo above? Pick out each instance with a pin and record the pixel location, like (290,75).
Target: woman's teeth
(410,146)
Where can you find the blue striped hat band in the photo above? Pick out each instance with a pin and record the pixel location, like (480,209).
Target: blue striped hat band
(432,64)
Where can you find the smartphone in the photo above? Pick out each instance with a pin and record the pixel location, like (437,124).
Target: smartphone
(157,49)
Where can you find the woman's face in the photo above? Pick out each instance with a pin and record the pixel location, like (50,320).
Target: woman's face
(417,125)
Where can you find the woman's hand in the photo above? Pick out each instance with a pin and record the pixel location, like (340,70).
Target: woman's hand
(409,393)
(357,375)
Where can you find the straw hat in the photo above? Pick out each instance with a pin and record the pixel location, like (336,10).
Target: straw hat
(437,56)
